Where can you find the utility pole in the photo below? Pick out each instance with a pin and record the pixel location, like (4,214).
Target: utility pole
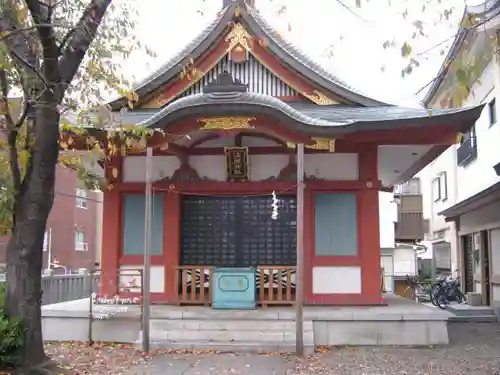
(146,276)
(299,286)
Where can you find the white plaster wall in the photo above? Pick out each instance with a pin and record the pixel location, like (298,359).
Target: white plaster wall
(388,215)
(157,282)
(337,280)
(405,261)
(395,160)
(334,166)
(463,182)
(444,163)
(479,174)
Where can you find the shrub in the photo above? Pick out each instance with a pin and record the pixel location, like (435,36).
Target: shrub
(11,336)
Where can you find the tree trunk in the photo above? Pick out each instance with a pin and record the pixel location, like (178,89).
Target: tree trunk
(25,248)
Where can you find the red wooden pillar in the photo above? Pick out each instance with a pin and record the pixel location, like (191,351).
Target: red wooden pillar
(368,225)
(171,243)
(111,230)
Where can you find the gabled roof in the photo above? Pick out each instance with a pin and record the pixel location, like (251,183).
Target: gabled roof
(226,96)
(485,11)
(287,54)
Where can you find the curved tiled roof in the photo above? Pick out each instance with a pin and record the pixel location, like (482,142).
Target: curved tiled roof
(331,82)
(488,9)
(287,52)
(307,118)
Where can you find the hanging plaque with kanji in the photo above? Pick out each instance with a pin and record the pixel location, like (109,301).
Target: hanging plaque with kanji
(237,163)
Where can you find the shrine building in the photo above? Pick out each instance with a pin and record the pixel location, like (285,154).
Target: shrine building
(233,110)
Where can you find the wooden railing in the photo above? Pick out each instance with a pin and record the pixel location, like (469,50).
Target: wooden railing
(275,285)
(194,285)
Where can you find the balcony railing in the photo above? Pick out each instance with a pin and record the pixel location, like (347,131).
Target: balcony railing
(410,187)
(410,226)
(467,152)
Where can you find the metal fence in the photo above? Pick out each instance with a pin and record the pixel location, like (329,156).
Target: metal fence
(63,288)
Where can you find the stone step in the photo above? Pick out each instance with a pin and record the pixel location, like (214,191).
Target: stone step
(227,325)
(232,347)
(473,319)
(472,312)
(190,336)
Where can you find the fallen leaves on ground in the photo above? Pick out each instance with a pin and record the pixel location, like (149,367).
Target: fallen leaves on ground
(107,358)
(100,358)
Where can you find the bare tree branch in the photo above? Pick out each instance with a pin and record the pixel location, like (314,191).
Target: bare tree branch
(34,27)
(19,48)
(41,14)
(79,42)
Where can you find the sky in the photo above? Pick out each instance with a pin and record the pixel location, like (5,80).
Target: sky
(346,40)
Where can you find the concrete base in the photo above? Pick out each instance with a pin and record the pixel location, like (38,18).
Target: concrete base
(400,323)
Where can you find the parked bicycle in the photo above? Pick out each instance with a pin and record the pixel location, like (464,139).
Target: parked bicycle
(446,291)
(416,289)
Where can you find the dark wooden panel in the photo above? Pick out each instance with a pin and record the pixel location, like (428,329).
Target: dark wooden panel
(238,231)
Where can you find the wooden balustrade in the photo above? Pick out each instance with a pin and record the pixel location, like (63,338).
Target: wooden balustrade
(194,285)
(275,285)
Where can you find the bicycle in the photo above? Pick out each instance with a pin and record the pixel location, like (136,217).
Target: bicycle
(448,291)
(416,289)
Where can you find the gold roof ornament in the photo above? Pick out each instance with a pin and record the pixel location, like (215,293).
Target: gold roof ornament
(319,98)
(226,123)
(322,144)
(238,36)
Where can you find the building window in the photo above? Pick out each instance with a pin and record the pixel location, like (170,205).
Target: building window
(81,198)
(80,244)
(469,137)
(492,112)
(436,189)
(443,186)
(45,241)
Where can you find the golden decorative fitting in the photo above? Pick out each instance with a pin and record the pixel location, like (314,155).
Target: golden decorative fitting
(322,144)
(226,123)
(290,145)
(319,98)
(238,36)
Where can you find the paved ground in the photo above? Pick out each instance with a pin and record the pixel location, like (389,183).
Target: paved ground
(474,350)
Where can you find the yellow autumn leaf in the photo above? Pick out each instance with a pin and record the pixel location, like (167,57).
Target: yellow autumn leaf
(114,172)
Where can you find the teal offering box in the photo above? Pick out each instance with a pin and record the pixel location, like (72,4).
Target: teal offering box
(233,288)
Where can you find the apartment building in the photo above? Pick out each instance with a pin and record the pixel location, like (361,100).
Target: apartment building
(461,188)
(72,237)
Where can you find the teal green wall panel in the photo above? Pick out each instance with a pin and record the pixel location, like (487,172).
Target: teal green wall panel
(335,224)
(133,224)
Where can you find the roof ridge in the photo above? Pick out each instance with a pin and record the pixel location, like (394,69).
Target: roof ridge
(300,55)
(183,52)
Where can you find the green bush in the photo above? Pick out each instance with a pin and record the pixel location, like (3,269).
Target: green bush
(11,336)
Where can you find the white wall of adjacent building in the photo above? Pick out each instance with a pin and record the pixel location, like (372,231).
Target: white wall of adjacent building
(445,183)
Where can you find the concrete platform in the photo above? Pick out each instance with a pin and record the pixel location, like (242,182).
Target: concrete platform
(401,322)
